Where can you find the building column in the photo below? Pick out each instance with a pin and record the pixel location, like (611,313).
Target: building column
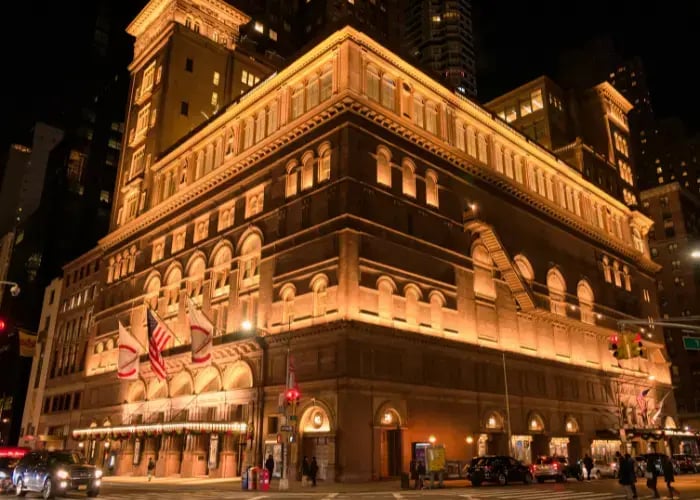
(227,457)
(194,458)
(169,458)
(125,459)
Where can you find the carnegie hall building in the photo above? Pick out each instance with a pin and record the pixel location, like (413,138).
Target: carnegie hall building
(404,247)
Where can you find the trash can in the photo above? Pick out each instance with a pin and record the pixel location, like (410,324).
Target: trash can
(244,479)
(264,480)
(252,478)
(405,481)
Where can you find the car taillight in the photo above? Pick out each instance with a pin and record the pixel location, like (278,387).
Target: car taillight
(556,466)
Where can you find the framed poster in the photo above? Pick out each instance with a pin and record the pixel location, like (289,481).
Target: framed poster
(137,451)
(213,451)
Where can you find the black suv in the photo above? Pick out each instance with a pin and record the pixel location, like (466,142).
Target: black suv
(54,473)
(498,469)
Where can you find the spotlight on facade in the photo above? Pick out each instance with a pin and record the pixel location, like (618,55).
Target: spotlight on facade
(388,418)
(470,440)
(686,428)
(247,325)
(652,377)
(432,439)
(695,254)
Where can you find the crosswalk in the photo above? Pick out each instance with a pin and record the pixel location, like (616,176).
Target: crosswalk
(537,493)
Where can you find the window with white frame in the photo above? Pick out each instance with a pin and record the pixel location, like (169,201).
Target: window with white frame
(460,136)
(288,294)
(230,142)
(138,161)
(142,119)
(214,98)
(385,303)
(215,78)
(557,292)
(178,242)
(221,268)
(585,302)
(607,269)
(147,80)
(437,303)
(319,287)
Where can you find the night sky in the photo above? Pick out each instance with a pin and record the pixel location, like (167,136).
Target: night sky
(517,41)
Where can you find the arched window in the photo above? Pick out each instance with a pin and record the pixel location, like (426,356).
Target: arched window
(617,274)
(557,291)
(388,93)
(437,302)
(249,271)
(324,162)
(195,275)
(524,267)
(221,266)
(173,278)
(288,294)
(319,287)
(431,189)
(291,180)
(408,172)
(585,301)
(307,170)
(607,270)
(385,305)
(383,166)
(152,291)
(372,83)
(413,295)
(484,286)
(627,278)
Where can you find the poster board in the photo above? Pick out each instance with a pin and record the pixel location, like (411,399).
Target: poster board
(435,456)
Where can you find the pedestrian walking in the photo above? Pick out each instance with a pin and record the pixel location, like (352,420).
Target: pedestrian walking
(414,473)
(421,474)
(669,477)
(270,465)
(627,476)
(588,463)
(313,470)
(652,474)
(151,468)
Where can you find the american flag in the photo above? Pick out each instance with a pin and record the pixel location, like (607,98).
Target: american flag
(641,399)
(158,336)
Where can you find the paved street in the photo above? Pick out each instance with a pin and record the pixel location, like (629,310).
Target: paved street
(194,489)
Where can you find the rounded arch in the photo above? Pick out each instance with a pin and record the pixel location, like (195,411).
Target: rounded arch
(493,420)
(239,375)
(288,291)
(555,281)
(571,424)
(414,290)
(291,165)
(173,276)
(307,156)
(221,254)
(408,165)
(523,265)
(535,422)
(480,255)
(384,152)
(250,241)
(390,414)
(319,282)
(157,389)
(208,380)
(136,392)
(316,417)
(152,283)
(585,292)
(323,148)
(385,283)
(197,265)
(182,384)
(437,297)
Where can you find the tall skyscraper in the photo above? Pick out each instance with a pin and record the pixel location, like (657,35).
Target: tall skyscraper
(438,34)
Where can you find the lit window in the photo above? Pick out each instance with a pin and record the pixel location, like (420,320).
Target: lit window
(659,170)
(216,78)
(383,166)
(511,114)
(431,189)
(142,119)
(214,99)
(298,102)
(104,196)
(273,35)
(372,84)
(388,94)
(254,201)
(324,163)
(259,27)
(536,97)
(244,77)
(326,85)
(436,19)
(147,80)
(525,107)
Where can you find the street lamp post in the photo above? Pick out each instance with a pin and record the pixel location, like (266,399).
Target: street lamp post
(505,385)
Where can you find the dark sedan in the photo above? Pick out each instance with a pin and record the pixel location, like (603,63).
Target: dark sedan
(498,469)
(54,473)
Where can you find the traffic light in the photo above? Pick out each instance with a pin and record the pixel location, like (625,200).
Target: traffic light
(614,345)
(637,348)
(292,395)
(3,325)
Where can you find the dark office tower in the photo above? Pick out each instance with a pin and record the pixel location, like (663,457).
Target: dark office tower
(438,34)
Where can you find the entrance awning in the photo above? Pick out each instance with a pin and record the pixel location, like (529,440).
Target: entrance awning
(120,431)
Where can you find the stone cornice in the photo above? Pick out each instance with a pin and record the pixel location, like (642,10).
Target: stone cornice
(606,89)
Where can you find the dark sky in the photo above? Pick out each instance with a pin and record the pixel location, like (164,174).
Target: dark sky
(522,40)
(517,41)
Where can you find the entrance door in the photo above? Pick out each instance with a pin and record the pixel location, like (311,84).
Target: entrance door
(393,451)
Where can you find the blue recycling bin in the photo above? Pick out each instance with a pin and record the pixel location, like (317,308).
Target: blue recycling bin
(244,479)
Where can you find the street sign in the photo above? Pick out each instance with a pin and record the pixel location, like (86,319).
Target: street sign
(691,343)
(286,428)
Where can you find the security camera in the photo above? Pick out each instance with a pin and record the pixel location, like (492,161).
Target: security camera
(14,290)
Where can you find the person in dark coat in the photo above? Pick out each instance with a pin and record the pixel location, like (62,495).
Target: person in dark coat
(421,474)
(588,463)
(313,470)
(270,465)
(627,475)
(667,468)
(414,473)
(652,474)
(305,469)
(151,468)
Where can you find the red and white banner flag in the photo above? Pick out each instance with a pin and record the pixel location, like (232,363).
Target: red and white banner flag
(129,352)
(158,336)
(201,335)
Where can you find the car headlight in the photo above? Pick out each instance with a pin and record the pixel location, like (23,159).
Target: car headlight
(3,475)
(98,473)
(62,474)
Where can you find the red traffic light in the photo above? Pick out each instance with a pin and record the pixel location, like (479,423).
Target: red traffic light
(292,395)
(2,325)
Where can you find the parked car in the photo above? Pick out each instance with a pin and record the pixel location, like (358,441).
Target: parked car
(686,463)
(557,468)
(54,473)
(498,469)
(7,465)
(696,461)
(604,468)
(656,458)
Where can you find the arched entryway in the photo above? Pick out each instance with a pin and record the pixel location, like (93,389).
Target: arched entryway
(389,422)
(540,444)
(318,439)
(493,440)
